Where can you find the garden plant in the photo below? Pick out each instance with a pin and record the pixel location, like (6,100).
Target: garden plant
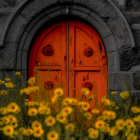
(64,118)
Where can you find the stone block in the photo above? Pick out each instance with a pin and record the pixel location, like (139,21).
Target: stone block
(128,58)
(39,25)
(16,29)
(32,9)
(99,24)
(19,60)
(22,41)
(28,42)
(110,44)
(135,68)
(136,35)
(102,8)
(113,62)
(120,33)
(47,3)
(136,97)
(115,80)
(136,81)
(24,60)
(79,14)
(55,14)
(132,17)
(80,8)
(8,56)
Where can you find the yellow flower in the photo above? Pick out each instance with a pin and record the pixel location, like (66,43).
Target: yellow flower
(58,92)
(88,115)
(113,131)
(124,95)
(1,82)
(22,130)
(31,81)
(114,93)
(106,101)
(135,109)
(15,133)
(36,88)
(18,110)
(36,125)
(94,134)
(85,91)
(91,129)
(32,111)
(3,92)
(85,106)
(95,111)
(120,124)
(50,121)
(70,126)
(28,131)
(54,99)
(8,130)
(99,124)
(72,138)
(112,103)
(13,107)
(74,101)
(48,111)
(18,73)
(61,117)
(105,114)
(42,109)
(111,115)
(107,129)
(14,124)
(6,120)
(129,123)
(1,124)
(3,110)
(131,136)
(116,107)
(67,101)
(38,132)
(137,119)
(52,135)
(9,85)
(7,79)
(67,110)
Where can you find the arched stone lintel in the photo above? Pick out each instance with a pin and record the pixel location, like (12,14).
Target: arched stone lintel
(93,19)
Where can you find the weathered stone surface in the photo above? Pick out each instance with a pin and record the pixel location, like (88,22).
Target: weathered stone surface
(128,58)
(99,24)
(28,42)
(132,17)
(79,14)
(24,61)
(136,97)
(47,3)
(110,43)
(115,80)
(113,61)
(55,14)
(32,9)
(19,60)
(102,8)
(120,32)
(136,79)
(135,68)
(7,3)
(22,40)
(16,29)
(4,18)
(66,1)
(80,8)
(25,78)
(8,56)
(132,5)
(136,34)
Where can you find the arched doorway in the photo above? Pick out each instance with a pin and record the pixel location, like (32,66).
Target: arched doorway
(76,58)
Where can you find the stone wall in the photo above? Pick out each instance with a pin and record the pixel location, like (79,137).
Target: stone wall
(116,28)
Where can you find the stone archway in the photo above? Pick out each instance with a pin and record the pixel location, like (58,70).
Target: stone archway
(102,15)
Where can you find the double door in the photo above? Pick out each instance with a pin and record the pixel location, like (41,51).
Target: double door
(76,58)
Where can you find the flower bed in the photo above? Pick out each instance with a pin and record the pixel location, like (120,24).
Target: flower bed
(60,117)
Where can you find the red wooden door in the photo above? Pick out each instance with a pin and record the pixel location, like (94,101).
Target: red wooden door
(76,58)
